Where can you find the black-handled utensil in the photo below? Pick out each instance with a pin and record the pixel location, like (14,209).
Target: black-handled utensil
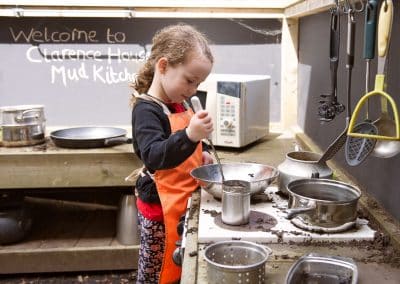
(330,107)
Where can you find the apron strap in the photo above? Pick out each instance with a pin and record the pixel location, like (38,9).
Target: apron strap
(157,101)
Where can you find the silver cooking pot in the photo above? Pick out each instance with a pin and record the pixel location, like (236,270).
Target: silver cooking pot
(21,114)
(300,165)
(22,125)
(323,202)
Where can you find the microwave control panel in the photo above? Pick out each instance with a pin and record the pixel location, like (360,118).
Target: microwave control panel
(228,116)
(228,120)
(228,112)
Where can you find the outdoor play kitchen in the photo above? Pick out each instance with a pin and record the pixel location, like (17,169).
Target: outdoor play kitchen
(306,142)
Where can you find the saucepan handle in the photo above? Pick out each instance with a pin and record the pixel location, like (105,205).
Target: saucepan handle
(117,141)
(292,212)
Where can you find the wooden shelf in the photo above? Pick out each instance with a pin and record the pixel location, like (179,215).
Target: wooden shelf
(63,238)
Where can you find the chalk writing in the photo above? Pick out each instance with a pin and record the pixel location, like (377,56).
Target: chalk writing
(74,35)
(45,36)
(37,54)
(95,65)
(102,74)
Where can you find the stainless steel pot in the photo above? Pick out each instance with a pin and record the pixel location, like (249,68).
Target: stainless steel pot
(299,165)
(22,125)
(23,135)
(22,115)
(323,202)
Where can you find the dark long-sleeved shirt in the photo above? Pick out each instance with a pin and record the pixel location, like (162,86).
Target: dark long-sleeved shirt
(155,146)
(152,139)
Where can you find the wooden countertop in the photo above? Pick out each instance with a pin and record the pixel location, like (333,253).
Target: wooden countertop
(48,166)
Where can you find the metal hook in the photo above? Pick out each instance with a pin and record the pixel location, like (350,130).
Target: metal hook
(354,7)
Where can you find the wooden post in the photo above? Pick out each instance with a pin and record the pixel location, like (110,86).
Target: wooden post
(289,72)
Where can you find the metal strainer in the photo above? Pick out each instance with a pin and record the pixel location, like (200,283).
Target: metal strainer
(236,262)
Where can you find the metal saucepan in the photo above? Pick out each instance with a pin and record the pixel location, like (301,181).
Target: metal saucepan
(323,202)
(22,125)
(89,137)
(259,176)
(21,115)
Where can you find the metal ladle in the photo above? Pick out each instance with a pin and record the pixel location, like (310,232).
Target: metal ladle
(385,124)
(197,107)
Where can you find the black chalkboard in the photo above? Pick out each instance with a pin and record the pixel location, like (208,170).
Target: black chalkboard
(80,69)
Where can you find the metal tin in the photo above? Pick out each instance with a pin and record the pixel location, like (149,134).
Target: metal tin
(127,221)
(235,202)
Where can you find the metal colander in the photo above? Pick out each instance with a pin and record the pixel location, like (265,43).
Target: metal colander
(236,262)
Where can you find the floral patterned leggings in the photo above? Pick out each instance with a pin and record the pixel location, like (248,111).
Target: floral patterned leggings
(152,239)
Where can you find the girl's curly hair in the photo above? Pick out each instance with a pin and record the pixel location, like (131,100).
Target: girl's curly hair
(175,43)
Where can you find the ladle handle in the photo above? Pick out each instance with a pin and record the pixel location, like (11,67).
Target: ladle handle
(385,27)
(371,13)
(197,107)
(196,103)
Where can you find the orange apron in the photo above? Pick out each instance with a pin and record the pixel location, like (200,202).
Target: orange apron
(174,187)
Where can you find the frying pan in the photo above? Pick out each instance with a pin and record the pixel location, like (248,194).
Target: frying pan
(89,137)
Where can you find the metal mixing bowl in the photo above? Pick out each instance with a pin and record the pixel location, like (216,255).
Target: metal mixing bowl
(259,176)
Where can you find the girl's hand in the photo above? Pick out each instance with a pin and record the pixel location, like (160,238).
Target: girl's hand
(200,126)
(207,158)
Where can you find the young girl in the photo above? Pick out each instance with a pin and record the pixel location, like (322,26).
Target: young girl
(166,138)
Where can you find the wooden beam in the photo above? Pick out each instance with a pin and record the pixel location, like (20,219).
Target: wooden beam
(308,7)
(289,68)
(69,259)
(142,12)
(157,3)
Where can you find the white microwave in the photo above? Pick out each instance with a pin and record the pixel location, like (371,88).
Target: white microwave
(239,107)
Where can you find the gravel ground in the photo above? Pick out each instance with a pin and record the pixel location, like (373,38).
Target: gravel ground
(117,277)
